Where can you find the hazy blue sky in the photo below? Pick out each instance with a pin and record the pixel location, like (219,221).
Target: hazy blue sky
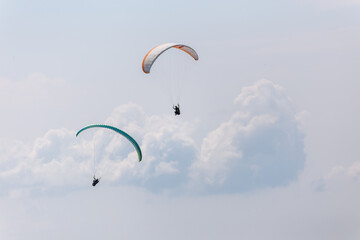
(266,146)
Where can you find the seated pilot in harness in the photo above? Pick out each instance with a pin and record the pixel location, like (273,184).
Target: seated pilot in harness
(177,109)
(95,181)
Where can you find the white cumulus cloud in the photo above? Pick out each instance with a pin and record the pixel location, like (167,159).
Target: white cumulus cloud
(59,159)
(259,146)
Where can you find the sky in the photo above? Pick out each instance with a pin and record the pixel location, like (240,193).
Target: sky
(266,146)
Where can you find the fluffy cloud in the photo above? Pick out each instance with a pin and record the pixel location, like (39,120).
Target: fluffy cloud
(59,159)
(340,177)
(51,161)
(166,144)
(259,146)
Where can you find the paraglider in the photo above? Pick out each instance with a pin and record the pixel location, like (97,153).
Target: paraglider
(122,133)
(150,59)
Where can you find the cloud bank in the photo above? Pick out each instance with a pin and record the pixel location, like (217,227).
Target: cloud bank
(259,146)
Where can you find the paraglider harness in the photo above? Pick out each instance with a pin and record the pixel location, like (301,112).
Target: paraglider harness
(95,181)
(177,109)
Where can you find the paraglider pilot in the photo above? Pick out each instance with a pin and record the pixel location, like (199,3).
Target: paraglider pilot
(177,109)
(95,181)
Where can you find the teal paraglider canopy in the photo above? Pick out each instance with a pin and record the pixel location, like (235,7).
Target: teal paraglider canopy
(127,136)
